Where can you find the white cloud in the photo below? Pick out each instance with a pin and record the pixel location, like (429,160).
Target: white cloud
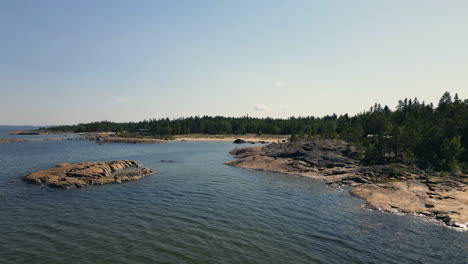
(120,99)
(260,107)
(279,84)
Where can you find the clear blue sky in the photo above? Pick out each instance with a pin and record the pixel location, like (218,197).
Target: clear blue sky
(64,62)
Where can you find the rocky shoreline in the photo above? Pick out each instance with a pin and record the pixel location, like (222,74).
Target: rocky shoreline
(82,174)
(110,137)
(392,188)
(113,139)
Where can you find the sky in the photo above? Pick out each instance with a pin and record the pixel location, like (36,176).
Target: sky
(68,62)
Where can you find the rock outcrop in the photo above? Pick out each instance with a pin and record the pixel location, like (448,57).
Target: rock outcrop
(241,141)
(67,175)
(445,200)
(331,160)
(391,188)
(5,140)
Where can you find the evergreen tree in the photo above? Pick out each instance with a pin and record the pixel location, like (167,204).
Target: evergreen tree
(415,132)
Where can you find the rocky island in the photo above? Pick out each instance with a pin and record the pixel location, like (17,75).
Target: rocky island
(6,140)
(390,188)
(82,174)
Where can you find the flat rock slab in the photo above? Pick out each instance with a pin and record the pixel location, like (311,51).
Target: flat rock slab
(11,140)
(82,174)
(326,159)
(446,203)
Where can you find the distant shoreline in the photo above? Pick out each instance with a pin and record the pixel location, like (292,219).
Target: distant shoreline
(231,138)
(109,137)
(37,132)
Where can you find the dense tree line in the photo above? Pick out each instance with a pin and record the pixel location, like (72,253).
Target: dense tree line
(415,132)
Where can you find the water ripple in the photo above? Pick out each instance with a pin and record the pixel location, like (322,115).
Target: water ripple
(197,210)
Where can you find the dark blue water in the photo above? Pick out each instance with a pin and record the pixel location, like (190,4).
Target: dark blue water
(197,210)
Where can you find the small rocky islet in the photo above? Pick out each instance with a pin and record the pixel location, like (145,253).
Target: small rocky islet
(390,188)
(7,140)
(75,175)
